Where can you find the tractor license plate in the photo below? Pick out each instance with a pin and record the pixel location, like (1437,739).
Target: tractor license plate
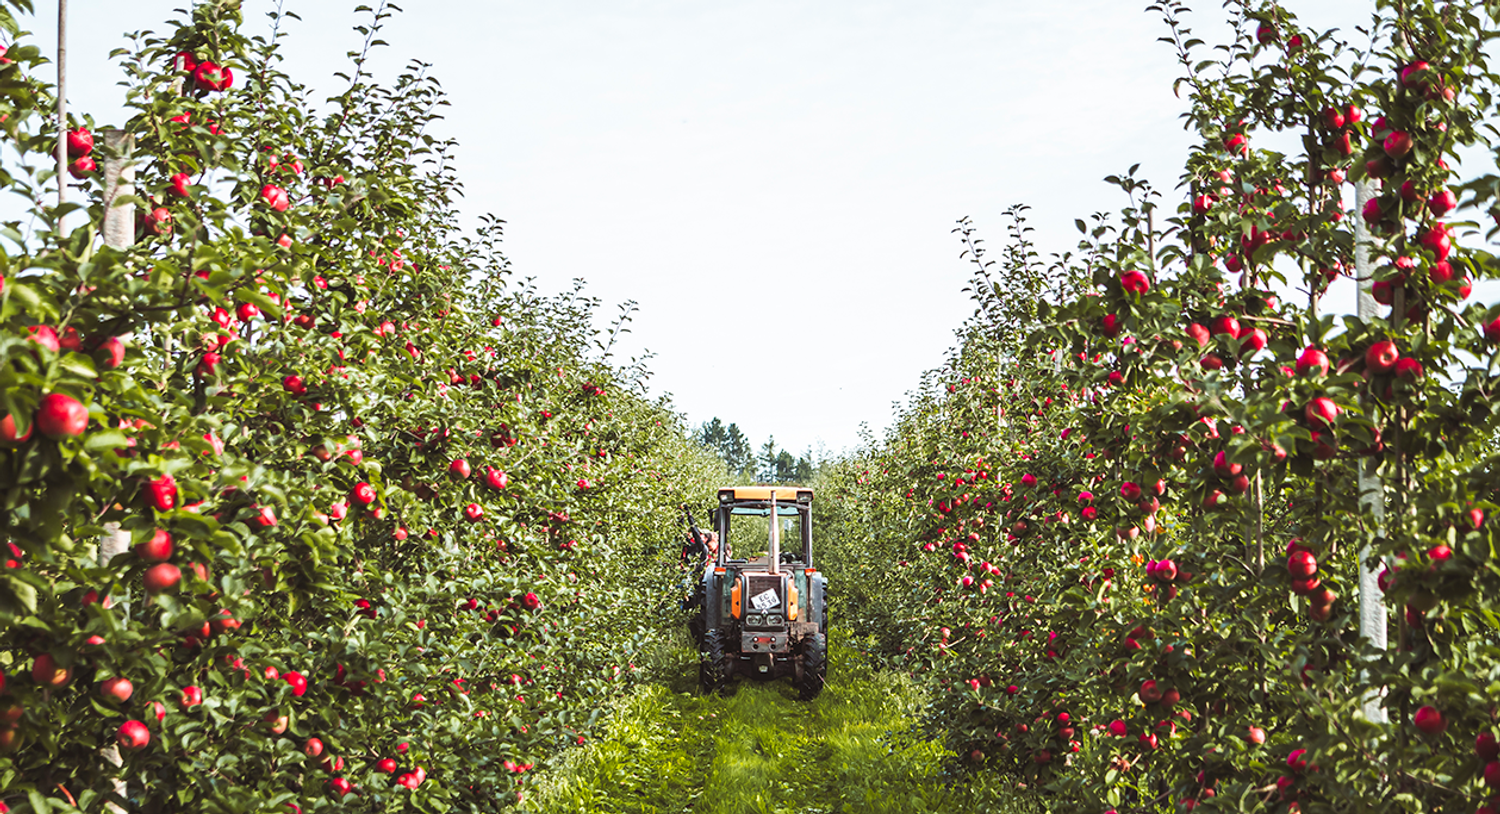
(765,600)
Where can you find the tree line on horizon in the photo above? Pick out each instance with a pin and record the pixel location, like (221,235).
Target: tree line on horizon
(768,465)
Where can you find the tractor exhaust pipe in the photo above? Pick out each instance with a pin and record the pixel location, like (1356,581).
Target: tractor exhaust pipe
(775,553)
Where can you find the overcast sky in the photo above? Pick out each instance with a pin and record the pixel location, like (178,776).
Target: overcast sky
(773,182)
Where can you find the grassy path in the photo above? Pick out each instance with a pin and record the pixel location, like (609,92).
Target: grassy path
(670,750)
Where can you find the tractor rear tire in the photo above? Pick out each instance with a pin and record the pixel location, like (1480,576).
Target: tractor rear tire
(814,666)
(713,663)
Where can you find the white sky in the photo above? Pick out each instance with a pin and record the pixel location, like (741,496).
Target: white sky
(769,179)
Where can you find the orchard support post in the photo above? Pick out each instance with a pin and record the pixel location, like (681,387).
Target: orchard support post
(62,107)
(119,232)
(1372,611)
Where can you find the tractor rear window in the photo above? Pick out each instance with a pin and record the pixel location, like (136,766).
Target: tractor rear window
(749,534)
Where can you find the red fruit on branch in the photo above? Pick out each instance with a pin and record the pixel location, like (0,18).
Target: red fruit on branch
(1398,144)
(82,167)
(1228,326)
(212,77)
(1382,356)
(1429,721)
(494,478)
(1302,564)
(61,416)
(156,549)
(1408,369)
(1253,341)
(117,688)
(459,469)
(1313,359)
(313,747)
(1198,334)
(1486,746)
(1333,118)
(1322,411)
(473,513)
(161,577)
(8,434)
(364,493)
(1416,76)
(191,696)
(1135,282)
(294,385)
(1442,202)
(133,735)
(275,197)
(1224,468)
(1150,692)
(80,142)
(114,352)
(1131,491)
(1109,325)
(161,493)
(296,681)
(1436,240)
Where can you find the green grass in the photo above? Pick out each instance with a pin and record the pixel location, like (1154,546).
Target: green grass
(669,750)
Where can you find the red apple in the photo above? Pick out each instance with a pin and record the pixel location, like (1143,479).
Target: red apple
(1227,325)
(1149,692)
(45,672)
(1302,564)
(1198,334)
(162,576)
(495,478)
(1382,356)
(156,549)
(133,735)
(1313,359)
(117,688)
(1224,468)
(386,765)
(473,513)
(61,416)
(1253,341)
(1429,720)
(1256,735)
(1486,746)
(80,142)
(364,493)
(313,747)
(1416,75)
(192,696)
(459,469)
(8,435)
(1322,411)
(1397,144)
(1442,202)
(1134,282)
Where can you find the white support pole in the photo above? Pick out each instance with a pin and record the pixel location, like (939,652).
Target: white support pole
(1372,611)
(119,232)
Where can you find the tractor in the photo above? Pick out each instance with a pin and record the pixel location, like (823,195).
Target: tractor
(764,611)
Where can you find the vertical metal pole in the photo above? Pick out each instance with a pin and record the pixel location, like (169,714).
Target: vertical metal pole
(774,555)
(1372,611)
(62,107)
